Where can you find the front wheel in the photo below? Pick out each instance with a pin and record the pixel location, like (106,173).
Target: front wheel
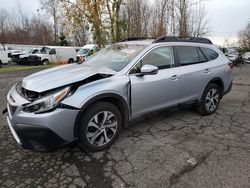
(210,100)
(99,126)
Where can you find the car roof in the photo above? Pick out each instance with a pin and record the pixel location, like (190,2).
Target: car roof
(138,42)
(168,40)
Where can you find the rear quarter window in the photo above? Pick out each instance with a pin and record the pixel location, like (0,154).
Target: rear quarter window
(188,55)
(209,54)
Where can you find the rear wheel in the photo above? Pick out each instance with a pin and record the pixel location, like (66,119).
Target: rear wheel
(210,100)
(45,62)
(99,126)
(71,61)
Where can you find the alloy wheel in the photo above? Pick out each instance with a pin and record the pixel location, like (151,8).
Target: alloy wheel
(102,128)
(212,99)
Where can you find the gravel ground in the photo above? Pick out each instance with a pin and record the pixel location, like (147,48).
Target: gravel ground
(179,149)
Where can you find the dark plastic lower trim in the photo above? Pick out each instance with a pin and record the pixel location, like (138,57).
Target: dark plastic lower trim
(37,138)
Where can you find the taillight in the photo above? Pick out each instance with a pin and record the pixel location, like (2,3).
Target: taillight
(231,65)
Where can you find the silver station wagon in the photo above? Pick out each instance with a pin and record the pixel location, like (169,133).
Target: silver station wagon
(91,102)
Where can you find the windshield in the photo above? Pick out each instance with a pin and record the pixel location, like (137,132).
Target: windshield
(83,51)
(115,57)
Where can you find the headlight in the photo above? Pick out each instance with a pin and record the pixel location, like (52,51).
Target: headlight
(47,103)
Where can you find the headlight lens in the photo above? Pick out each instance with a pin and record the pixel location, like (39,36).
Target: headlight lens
(47,103)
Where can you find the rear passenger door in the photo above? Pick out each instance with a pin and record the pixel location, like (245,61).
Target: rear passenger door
(194,72)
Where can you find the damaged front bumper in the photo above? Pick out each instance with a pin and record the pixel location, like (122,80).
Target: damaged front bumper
(40,132)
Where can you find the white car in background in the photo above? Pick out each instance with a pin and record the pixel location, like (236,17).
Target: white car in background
(22,57)
(246,57)
(234,55)
(86,51)
(53,54)
(5,54)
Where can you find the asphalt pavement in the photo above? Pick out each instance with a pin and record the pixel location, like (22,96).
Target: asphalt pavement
(178,149)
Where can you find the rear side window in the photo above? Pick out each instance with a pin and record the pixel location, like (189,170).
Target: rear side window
(209,54)
(188,55)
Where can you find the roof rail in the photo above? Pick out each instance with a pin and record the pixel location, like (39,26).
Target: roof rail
(179,39)
(135,39)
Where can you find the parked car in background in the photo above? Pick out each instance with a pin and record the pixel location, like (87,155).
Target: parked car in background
(5,53)
(234,55)
(22,57)
(92,101)
(224,50)
(86,51)
(53,54)
(246,57)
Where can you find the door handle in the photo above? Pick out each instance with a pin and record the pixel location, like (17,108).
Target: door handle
(174,77)
(207,71)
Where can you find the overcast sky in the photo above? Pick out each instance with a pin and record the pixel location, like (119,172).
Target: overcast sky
(226,17)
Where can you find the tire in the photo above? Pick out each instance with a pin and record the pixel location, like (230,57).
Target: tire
(1,64)
(45,62)
(210,100)
(94,135)
(70,61)
(24,61)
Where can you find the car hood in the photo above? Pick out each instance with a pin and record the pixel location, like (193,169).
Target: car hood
(61,76)
(19,53)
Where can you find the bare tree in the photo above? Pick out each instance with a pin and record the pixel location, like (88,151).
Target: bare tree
(53,8)
(198,22)
(4,17)
(160,19)
(20,28)
(244,38)
(115,20)
(138,14)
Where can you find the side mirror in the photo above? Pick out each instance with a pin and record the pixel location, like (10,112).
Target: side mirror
(148,70)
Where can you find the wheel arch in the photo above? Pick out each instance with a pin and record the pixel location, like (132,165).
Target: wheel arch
(113,98)
(219,82)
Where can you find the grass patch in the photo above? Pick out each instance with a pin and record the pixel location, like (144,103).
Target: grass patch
(23,67)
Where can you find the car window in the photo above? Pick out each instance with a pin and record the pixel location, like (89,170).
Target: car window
(210,54)
(201,55)
(188,55)
(52,51)
(34,51)
(161,57)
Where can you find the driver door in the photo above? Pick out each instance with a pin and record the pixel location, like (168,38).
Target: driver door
(158,91)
